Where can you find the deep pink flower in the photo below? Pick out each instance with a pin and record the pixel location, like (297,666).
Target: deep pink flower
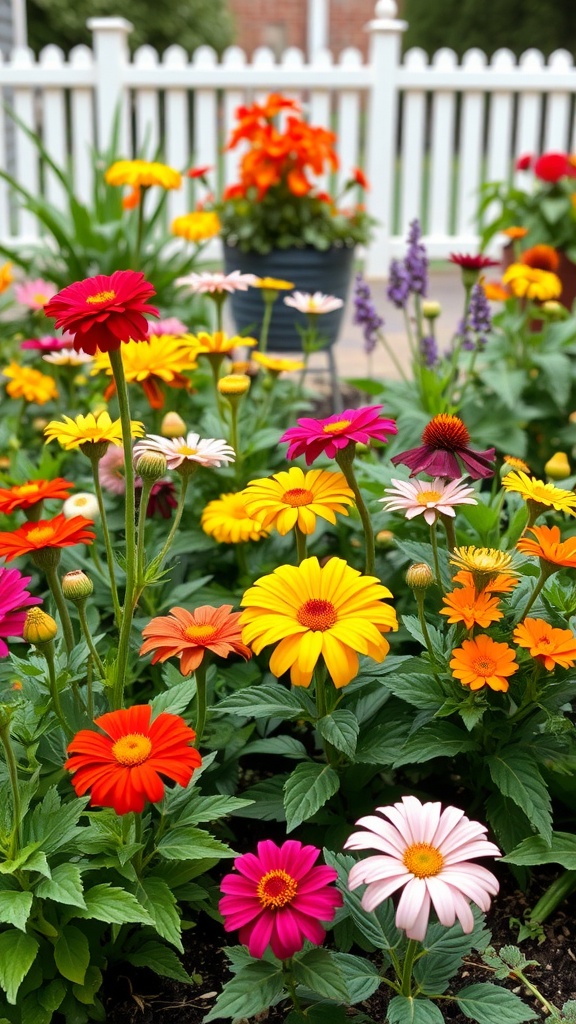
(312,437)
(14,598)
(427,852)
(553,166)
(524,162)
(162,498)
(469,262)
(34,294)
(111,471)
(48,343)
(278,898)
(446,445)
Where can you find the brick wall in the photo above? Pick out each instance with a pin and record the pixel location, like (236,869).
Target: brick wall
(261,23)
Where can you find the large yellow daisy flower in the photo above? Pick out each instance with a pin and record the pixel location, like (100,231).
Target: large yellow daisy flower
(277,364)
(29,384)
(142,174)
(227,520)
(220,342)
(331,612)
(162,357)
(530,283)
(196,226)
(294,498)
(93,429)
(537,493)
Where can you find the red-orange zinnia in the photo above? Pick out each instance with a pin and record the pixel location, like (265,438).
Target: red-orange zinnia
(26,495)
(188,635)
(502,584)
(465,605)
(58,532)
(484,662)
(123,769)
(549,548)
(548,644)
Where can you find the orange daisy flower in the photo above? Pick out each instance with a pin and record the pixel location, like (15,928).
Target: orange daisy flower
(548,644)
(484,662)
(542,257)
(58,532)
(123,769)
(26,495)
(501,584)
(465,605)
(515,232)
(188,635)
(549,548)
(495,291)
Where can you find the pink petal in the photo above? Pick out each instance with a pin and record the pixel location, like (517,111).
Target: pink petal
(442,901)
(377,892)
(286,938)
(257,936)
(410,903)
(420,924)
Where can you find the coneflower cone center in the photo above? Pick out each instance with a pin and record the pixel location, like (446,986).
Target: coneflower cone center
(200,633)
(132,750)
(101,297)
(336,428)
(428,497)
(423,860)
(297,496)
(41,534)
(447,432)
(317,615)
(276,889)
(484,666)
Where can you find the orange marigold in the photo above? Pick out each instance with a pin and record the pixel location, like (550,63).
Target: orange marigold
(465,605)
(542,257)
(484,662)
(58,532)
(188,635)
(501,584)
(549,548)
(24,496)
(548,644)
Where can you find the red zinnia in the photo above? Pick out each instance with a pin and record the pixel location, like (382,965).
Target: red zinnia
(26,495)
(46,533)
(445,444)
(468,262)
(101,312)
(524,162)
(542,257)
(199,172)
(553,166)
(123,769)
(313,437)
(360,178)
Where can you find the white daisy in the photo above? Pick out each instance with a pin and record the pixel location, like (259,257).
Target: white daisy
(427,498)
(317,303)
(205,451)
(217,283)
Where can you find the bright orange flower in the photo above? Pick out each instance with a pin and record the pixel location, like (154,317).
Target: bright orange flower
(465,605)
(542,257)
(496,292)
(515,232)
(501,584)
(58,532)
(29,494)
(188,635)
(123,769)
(548,644)
(549,548)
(484,662)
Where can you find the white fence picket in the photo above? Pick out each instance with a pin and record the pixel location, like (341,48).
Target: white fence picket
(147,106)
(25,152)
(442,148)
(54,126)
(82,135)
(529,107)
(348,120)
(320,107)
(470,149)
(205,119)
(177,132)
(557,122)
(412,145)
(235,58)
(4,193)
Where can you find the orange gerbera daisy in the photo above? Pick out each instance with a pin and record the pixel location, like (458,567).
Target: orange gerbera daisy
(549,548)
(188,635)
(515,232)
(484,662)
(123,769)
(501,584)
(542,257)
(24,496)
(58,532)
(465,605)
(548,644)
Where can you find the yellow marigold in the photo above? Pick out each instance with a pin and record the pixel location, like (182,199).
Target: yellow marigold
(539,495)
(163,357)
(234,384)
(496,292)
(530,283)
(274,284)
(294,498)
(98,429)
(220,342)
(485,564)
(142,174)
(29,384)
(227,520)
(276,364)
(6,277)
(197,226)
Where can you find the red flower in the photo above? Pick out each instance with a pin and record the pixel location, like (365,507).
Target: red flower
(313,437)
(468,262)
(360,178)
(122,769)
(553,166)
(101,312)
(199,172)
(162,498)
(524,162)
(46,533)
(446,445)
(26,495)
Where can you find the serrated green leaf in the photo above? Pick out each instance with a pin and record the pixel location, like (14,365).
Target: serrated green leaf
(251,991)
(210,808)
(160,959)
(491,1004)
(437,739)
(518,777)
(177,699)
(318,971)
(405,1010)
(15,908)
(87,992)
(377,927)
(266,701)
(267,800)
(419,689)
(112,904)
(340,728)
(286,746)
(188,843)
(306,790)
(535,850)
(445,949)
(361,977)
(382,743)
(65,886)
(17,954)
(161,904)
(72,954)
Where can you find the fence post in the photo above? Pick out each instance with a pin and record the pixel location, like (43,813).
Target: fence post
(385,40)
(110,47)
(318,27)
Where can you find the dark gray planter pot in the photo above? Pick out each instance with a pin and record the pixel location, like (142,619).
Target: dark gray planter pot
(311,270)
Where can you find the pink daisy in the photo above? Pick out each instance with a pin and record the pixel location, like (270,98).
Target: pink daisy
(171,325)
(427,852)
(217,282)
(431,499)
(48,343)
(312,437)
(315,304)
(34,294)
(111,471)
(14,598)
(278,898)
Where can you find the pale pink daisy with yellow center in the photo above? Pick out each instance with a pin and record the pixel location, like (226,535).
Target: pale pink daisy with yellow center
(317,303)
(428,498)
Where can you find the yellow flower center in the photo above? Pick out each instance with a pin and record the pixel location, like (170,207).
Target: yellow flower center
(101,297)
(297,496)
(184,449)
(426,497)
(40,298)
(423,860)
(276,889)
(317,615)
(25,490)
(79,502)
(336,428)
(41,534)
(484,666)
(132,750)
(201,633)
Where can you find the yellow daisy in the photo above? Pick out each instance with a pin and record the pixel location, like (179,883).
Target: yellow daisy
(539,495)
(162,357)
(221,343)
(485,564)
(275,284)
(276,364)
(91,429)
(142,174)
(531,283)
(227,521)
(294,498)
(29,384)
(197,226)
(6,276)
(330,612)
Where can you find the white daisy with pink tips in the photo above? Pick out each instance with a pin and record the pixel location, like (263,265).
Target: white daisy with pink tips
(428,498)
(317,303)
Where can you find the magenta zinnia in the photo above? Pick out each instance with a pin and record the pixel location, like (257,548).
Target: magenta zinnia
(278,898)
(445,451)
(313,437)
(14,598)
(426,851)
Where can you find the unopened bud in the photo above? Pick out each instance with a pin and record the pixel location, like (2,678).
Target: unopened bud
(76,585)
(554,310)
(558,467)
(39,628)
(151,465)
(81,504)
(384,539)
(173,425)
(355,542)
(39,423)
(234,384)
(419,576)
(431,309)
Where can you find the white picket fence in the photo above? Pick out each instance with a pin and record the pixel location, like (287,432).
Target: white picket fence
(427,133)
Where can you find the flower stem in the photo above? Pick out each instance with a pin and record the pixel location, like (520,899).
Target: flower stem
(450,528)
(235,441)
(200,699)
(419,595)
(290,984)
(13,776)
(406,981)
(147,486)
(434,543)
(176,523)
(345,458)
(48,651)
(539,585)
(107,543)
(268,307)
(300,544)
(81,606)
(391,355)
(56,589)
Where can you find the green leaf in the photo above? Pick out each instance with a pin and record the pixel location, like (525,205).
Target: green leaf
(267,701)
(491,1004)
(383,743)
(160,959)
(210,808)
(15,908)
(267,800)
(189,843)
(517,777)
(535,850)
(405,1010)
(65,886)
(445,949)
(251,991)
(17,954)
(436,739)
(178,698)
(377,927)
(286,746)
(340,728)
(87,992)
(318,971)
(306,790)
(361,977)
(112,904)
(366,384)
(161,904)
(421,689)
(72,954)
(509,824)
